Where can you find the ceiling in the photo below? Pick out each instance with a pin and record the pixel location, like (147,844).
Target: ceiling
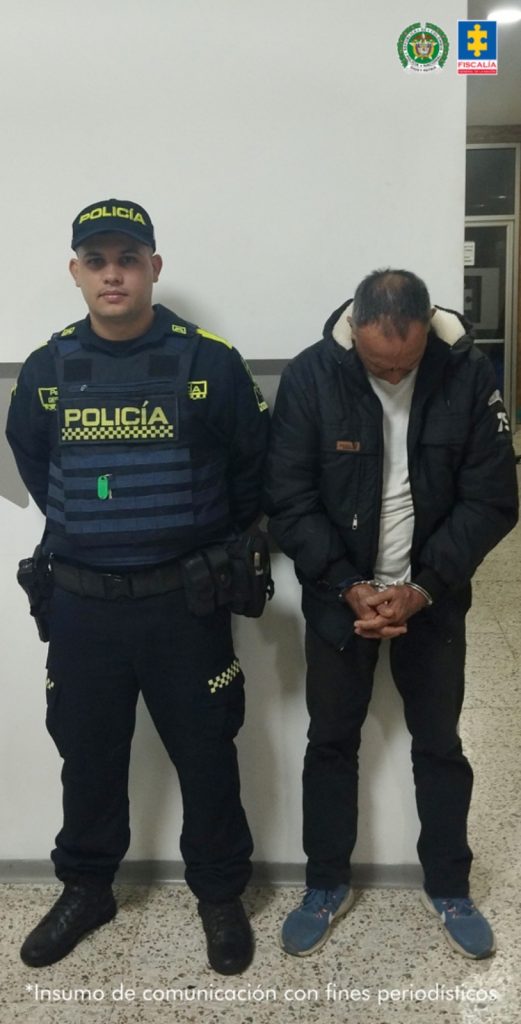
(495,100)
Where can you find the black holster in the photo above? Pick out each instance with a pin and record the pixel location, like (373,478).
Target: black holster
(35,577)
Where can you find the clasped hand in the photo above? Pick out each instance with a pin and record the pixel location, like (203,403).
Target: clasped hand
(383,614)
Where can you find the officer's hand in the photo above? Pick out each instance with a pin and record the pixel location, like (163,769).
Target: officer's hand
(391,608)
(361,599)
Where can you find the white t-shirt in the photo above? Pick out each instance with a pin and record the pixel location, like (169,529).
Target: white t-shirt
(393,562)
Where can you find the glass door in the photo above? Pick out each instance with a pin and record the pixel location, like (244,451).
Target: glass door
(488,297)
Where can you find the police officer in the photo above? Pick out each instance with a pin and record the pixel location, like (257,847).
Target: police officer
(141,438)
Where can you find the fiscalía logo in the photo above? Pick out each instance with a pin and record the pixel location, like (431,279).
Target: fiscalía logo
(477,47)
(423,47)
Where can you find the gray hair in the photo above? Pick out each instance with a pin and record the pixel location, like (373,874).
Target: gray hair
(395,296)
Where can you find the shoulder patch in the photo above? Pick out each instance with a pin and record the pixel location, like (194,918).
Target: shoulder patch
(197,389)
(495,397)
(71,329)
(214,337)
(48,398)
(179,329)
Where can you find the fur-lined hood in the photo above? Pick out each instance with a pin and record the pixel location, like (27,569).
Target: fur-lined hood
(446,324)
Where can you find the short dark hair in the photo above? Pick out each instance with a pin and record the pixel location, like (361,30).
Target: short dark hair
(397,296)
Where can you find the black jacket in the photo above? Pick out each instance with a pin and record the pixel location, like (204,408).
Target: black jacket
(324,473)
(222,421)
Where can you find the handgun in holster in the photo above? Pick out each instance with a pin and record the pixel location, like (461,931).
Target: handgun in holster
(35,577)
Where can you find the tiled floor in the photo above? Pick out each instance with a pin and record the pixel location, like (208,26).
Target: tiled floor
(387,961)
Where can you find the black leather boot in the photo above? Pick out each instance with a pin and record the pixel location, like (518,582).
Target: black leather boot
(80,908)
(228,935)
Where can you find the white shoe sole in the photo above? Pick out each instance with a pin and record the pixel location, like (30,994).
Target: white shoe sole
(346,905)
(429,905)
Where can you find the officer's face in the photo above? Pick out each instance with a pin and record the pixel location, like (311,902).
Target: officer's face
(116,276)
(385,353)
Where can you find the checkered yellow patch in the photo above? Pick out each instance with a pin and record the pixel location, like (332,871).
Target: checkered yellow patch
(224,678)
(117,433)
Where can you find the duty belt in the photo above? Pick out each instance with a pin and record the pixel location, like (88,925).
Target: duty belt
(109,586)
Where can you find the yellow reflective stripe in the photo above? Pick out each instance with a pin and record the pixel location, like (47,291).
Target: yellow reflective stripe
(213,337)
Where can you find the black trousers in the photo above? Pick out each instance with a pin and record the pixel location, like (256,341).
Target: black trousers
(427,664)
(101,655)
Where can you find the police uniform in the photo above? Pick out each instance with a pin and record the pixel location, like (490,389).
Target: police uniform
(140,453)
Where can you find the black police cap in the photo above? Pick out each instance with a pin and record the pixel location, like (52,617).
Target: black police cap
(120,215)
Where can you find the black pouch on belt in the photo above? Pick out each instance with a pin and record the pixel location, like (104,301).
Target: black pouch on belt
(237,576)
(221,570)
(198,584)
(207,579)
(252,584)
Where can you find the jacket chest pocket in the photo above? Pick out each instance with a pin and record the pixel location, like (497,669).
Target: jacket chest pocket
(348,468)
(441,450)
(450,431)
(346,437)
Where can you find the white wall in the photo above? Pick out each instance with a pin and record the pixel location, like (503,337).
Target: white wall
(283,153)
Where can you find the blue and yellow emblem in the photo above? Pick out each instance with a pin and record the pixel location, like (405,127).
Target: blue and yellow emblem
(477,47)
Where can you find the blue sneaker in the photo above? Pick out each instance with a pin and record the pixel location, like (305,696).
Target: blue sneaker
(465,929)
(307,928)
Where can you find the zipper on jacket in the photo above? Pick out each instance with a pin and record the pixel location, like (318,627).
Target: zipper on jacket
(358,473)
(380,482)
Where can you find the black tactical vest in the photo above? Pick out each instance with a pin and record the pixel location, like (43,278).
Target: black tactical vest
(124,469)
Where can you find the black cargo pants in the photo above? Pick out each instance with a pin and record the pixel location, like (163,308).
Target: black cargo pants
(101,655)
(427,664)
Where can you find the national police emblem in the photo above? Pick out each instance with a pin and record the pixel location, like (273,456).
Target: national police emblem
(423,47)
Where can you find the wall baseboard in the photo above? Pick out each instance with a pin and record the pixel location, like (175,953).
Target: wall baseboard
(147,872)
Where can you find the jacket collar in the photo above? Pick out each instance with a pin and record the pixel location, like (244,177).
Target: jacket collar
(447,325)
